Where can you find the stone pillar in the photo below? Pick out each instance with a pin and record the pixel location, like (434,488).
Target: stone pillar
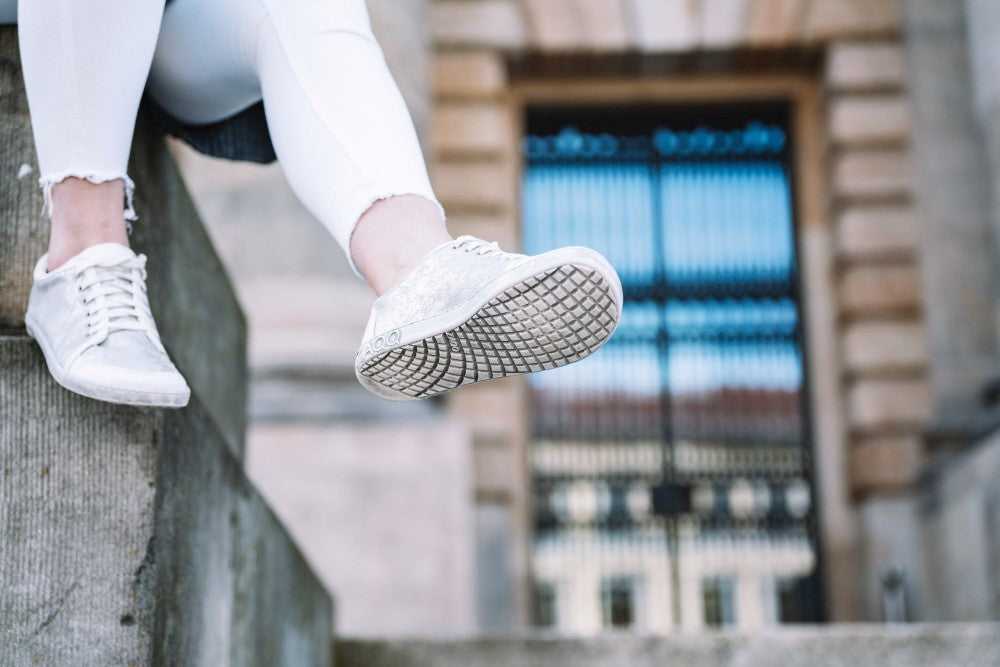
(952,192)
(983,24)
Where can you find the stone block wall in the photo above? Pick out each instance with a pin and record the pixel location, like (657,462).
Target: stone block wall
(884,347)
(878,365)
(131,535)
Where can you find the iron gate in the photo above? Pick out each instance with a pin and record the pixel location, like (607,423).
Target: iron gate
(671,470)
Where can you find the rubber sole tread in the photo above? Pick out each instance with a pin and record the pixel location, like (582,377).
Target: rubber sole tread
(551,319)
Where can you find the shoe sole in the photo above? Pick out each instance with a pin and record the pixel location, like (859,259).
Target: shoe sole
(101,393)
(547,320)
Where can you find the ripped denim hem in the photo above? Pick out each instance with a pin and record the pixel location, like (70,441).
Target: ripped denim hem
(46,183)
(373,199)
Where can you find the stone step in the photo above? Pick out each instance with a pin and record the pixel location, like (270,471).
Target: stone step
(132,536)
(198,316)
(945,645)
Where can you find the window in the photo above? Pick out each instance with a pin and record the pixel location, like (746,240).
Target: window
(545,604)
(717,601)
(693,411)
(790,594)
(618,602)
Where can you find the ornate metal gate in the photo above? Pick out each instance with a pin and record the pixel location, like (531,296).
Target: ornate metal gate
(671,470)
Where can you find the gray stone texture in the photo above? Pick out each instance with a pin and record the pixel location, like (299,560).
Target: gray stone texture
(952,190)
(228,585)
(132,536)
(944,539)
(840,646)
(128,535)
(983,24)
(960,513)
(76,515)
(890,542)
(209,349)
(23,233)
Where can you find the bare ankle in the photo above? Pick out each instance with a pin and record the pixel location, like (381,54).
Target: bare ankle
(393,235)
(84,214)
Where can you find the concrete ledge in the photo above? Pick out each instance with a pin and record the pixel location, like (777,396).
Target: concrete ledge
(76,514)
(827,646)
(228,584)
(132,536)
(199,318)
(23,233)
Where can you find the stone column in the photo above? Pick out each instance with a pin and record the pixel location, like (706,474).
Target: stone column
(983,24)
(952,193)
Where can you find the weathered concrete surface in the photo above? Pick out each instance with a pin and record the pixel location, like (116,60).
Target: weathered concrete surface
(132,536)
(960,514)
(23,233)
(197,313)
(831,646)
(952,191)
(229,585)
(77,482)
(982,18)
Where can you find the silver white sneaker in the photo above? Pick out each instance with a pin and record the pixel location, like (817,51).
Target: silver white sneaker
(470,312)
(91,318)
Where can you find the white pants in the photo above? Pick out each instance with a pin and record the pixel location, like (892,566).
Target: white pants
(337,121)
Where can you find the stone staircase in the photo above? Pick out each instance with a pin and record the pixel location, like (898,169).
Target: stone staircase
(954,645)
(127,535)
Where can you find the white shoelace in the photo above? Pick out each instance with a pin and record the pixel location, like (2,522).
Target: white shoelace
(481,247)
(115,299)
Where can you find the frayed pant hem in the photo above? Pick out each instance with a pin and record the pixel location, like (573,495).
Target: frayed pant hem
(47,181)
(371,201)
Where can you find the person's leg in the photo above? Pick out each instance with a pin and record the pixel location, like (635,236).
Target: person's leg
(85,65)
(392,236)
(344,136)
(339,125)
(450,312)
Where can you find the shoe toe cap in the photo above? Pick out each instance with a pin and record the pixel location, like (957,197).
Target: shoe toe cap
(145,386)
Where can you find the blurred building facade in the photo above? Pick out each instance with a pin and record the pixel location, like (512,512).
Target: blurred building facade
(849,478)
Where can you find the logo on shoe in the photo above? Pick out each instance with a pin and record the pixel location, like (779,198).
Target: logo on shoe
(379,343)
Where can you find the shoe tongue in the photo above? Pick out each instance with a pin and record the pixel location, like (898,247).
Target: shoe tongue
(103,253)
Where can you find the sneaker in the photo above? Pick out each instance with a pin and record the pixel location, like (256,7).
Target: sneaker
(470,312)
(91,318)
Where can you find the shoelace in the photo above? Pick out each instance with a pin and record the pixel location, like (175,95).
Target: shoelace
(115,298)
(481,247)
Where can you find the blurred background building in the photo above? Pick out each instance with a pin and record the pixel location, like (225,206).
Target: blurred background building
(794,422)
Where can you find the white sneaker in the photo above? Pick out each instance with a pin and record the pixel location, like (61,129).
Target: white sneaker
(91,318)
(470,312)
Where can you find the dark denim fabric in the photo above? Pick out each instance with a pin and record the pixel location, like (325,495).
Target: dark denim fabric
(243,136)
